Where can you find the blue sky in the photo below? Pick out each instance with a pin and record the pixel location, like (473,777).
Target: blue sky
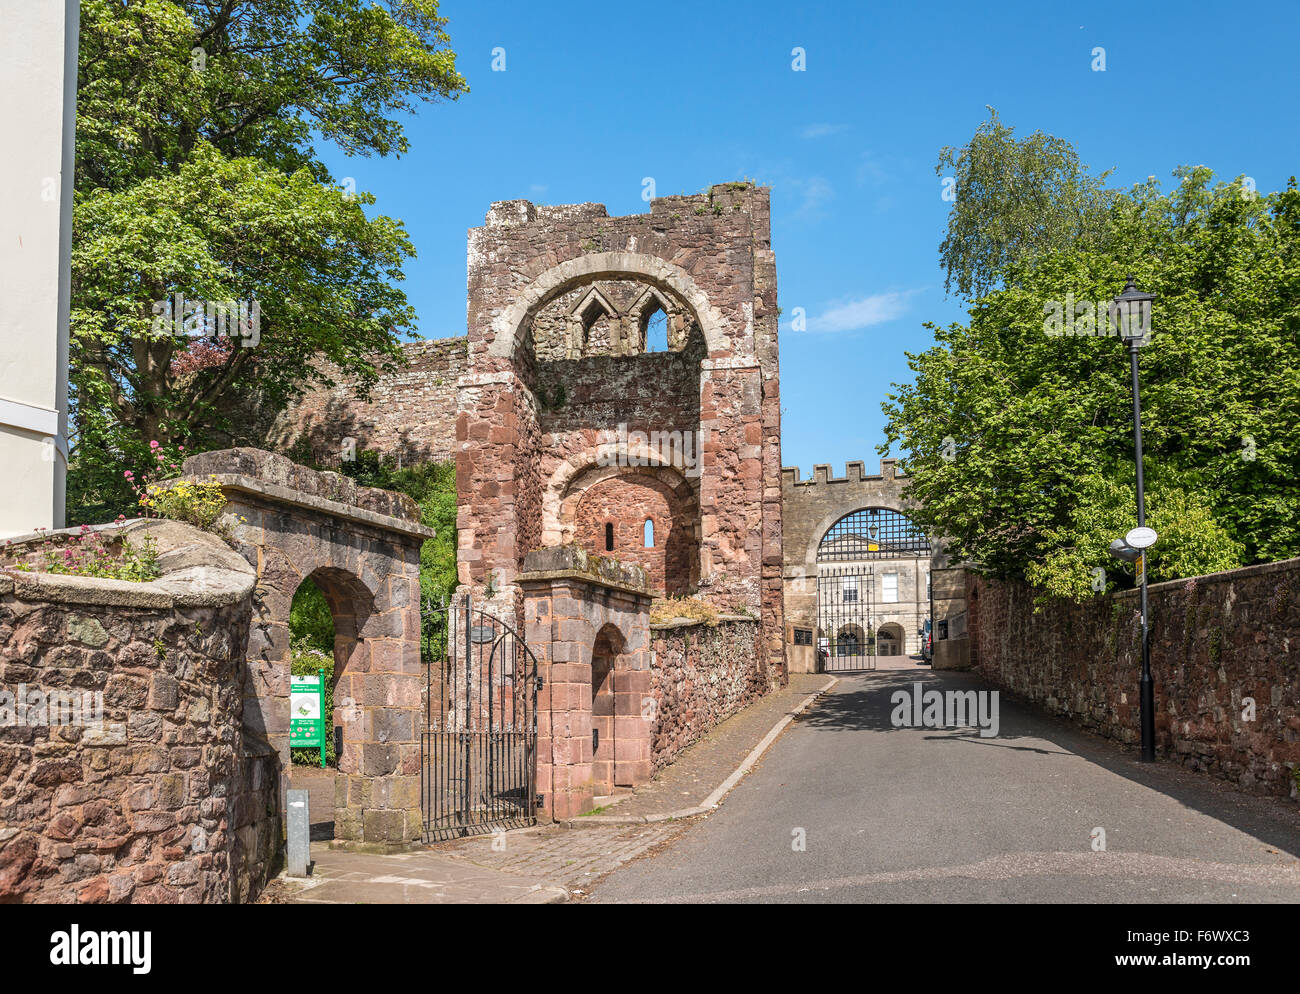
(597,96)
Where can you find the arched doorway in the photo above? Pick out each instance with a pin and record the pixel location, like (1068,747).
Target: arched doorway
(890,639)
(872,568)
(328,612)
(604,723)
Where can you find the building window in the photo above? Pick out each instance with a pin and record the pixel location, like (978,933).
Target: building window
(849,589)
(889,588)
(649,532)
(656,331)
(929,591)
(803,636)
(609,536)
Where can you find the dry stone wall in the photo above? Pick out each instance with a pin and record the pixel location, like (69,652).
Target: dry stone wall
(701,676)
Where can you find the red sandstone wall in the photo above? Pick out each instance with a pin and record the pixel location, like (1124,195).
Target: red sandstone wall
(410,415)
(158,804)
(1215,640)
(701,676)
(626,503)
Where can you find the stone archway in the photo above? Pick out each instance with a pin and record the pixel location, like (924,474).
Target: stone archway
(362,547)
(890,639)
(510,326)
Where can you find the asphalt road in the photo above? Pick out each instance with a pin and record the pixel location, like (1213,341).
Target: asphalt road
(922,814)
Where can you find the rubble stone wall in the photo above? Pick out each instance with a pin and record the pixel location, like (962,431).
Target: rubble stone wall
(1216,640)
(144,794)
(701,676)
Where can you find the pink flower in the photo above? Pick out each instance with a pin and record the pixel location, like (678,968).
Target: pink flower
(129,475)
(153,445)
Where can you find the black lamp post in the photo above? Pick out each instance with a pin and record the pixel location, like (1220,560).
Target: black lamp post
(1131,315)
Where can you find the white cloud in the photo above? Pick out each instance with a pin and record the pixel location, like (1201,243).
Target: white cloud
(852,315)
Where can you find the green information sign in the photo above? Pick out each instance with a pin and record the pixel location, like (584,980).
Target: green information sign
(307,712)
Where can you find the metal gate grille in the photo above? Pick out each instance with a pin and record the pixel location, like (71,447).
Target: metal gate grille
(846,633)
(479,747)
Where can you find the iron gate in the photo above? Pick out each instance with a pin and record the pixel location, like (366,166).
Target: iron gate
(478,751)
(846,636)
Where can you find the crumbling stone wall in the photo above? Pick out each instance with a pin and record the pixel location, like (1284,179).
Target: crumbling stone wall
(1215,641)
(410,415)
(558,299)
(701,676)
(156,803)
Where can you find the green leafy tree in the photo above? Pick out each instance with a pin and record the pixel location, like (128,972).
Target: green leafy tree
(1015,200)
(196,174)
(1020,442)
(433,486)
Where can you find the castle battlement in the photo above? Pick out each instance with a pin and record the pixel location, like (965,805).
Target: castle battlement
(854,472)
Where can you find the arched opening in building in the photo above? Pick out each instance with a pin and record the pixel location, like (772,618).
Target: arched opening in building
(328,612)
(872,533)
(604,727)
(872,568)
(655,332)
(890,639)
(642,518)
(850,641)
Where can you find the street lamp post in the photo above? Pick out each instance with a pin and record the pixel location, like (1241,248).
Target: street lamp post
(1131,311)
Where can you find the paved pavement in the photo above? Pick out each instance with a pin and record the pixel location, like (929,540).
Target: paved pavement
(924,814)
(701,768)
(423,877)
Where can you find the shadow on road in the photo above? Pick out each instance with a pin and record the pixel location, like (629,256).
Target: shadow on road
(862,702)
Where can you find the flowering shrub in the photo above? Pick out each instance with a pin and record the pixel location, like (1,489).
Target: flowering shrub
(199,504)
(86,554)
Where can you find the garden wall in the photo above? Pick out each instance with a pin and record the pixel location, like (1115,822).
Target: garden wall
(153,802)
(701,676)
(1216,640)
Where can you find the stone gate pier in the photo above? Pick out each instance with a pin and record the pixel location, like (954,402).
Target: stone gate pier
(587,619)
